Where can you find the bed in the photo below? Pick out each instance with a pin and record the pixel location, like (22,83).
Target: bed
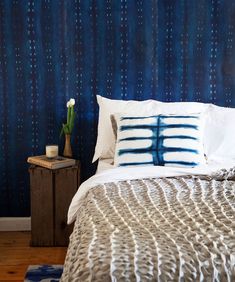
(153,222)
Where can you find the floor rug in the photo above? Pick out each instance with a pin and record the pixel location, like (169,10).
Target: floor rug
(45,273)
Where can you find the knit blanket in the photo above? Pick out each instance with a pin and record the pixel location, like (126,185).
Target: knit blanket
(158,229)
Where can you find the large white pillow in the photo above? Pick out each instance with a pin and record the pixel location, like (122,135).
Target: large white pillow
(105,145)
(165,140)
(219,137)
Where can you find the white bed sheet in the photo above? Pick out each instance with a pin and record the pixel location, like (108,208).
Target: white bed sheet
(104,164)
(109,173)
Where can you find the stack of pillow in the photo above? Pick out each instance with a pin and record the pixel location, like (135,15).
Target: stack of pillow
(171,134)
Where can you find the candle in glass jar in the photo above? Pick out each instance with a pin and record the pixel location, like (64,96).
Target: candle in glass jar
(52,151)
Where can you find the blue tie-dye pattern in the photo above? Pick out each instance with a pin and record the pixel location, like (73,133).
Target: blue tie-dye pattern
(152,126)
(157,149)
(160,137)
(160,116)
(181,163)
(39,273)
(150,149)
(136,164)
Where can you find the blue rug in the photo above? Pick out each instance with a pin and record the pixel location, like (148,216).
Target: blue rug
(45,273)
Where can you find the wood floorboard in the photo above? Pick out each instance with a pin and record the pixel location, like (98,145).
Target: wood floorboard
(16,255)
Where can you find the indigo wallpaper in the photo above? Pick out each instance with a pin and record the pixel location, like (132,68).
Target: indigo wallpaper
(51,50)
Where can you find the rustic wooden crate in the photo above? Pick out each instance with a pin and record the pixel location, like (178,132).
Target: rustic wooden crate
(51,194)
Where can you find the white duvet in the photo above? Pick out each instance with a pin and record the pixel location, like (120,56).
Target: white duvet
(128,173)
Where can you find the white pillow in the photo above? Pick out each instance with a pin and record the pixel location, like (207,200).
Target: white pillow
(219,139)
(105,144)
(166,140)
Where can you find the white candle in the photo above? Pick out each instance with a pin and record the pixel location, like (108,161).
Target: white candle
(52,151)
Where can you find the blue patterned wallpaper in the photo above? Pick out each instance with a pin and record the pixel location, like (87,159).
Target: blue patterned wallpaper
(52,50)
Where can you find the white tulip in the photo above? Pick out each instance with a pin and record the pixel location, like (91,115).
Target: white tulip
(68,104)
(72,102)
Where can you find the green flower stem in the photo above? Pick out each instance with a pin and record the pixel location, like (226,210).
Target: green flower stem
(68,115)
(71,121)
(68,127)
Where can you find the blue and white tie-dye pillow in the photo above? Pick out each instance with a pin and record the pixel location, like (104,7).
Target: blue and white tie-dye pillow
(165,140)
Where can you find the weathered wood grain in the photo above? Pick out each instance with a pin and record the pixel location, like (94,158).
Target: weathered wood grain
(16,255)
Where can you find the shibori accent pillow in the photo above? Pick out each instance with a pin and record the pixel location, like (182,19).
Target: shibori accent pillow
(165,140)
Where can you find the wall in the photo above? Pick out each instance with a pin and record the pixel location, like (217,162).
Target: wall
(50,51)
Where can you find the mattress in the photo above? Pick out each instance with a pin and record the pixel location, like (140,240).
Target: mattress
(153,224)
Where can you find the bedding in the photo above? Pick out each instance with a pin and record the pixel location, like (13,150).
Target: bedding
(105,144)
(153,224)
(104,164)
(219,136)
(168,140)
(105,139)
(220,133)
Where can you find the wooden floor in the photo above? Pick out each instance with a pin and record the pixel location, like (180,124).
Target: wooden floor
(16,255)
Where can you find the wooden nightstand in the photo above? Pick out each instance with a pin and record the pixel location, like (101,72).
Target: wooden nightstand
(51,194)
